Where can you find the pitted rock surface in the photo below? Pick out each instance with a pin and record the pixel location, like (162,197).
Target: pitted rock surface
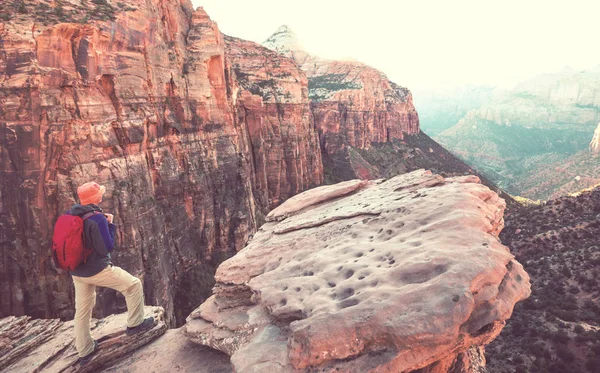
(399,275)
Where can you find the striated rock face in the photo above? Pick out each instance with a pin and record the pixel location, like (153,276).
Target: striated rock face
(48,345)
(28,345)
(595,144)
(155,104)
(272,103)
(353,104)
(380,276)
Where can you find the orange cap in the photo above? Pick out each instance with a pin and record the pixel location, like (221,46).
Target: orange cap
(90,193)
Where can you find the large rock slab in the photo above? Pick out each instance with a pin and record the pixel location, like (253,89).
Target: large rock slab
(48,345)
(399,275)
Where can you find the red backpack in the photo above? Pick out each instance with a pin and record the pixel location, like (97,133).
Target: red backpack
(68,247)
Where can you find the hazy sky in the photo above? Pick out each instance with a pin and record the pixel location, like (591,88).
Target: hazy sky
(430,44)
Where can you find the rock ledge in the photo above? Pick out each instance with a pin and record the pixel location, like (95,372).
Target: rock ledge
(398,275)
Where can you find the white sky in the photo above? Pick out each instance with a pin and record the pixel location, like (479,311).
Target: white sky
(424,44)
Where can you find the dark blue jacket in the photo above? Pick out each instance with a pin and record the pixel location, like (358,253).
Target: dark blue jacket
(100,235)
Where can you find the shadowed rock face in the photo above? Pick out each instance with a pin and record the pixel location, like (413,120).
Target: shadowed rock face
(154,106)
(389,275)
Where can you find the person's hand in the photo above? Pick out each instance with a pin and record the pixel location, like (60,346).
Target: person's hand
(109,217)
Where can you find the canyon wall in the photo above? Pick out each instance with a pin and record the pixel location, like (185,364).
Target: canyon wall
(195,135)
(149,109)
(273,105)
(354,105)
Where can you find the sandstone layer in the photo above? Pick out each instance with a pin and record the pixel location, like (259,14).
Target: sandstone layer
(47,345)
(152,102)
(272,103)
(390,275)
(172,352)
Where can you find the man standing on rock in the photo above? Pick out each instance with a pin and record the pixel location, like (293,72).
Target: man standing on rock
(97,270)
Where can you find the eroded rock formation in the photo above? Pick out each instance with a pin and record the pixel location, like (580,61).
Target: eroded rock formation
(388,275)
(195,135)
(354,105)
(272,103)
(154,103)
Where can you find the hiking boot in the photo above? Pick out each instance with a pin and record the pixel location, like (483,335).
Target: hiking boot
(88,357)
(147,324)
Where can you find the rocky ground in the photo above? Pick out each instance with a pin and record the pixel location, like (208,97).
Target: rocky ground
(558,328)
(28,345)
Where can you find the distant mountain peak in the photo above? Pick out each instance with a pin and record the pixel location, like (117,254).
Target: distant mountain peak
(284,41)
(284,29)
(567,70)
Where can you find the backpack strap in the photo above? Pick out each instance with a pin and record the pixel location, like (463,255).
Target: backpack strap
(84,217)
(89,215)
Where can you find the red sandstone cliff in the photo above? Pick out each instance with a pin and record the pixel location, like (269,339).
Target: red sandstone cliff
(148,105)
(353,104)
(272,103)
(196,136)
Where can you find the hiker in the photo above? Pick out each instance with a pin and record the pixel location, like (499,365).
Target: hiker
(97,270)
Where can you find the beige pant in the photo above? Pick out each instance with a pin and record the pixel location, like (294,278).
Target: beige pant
(85,299)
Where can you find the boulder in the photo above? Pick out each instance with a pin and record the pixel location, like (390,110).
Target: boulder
(395,276)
